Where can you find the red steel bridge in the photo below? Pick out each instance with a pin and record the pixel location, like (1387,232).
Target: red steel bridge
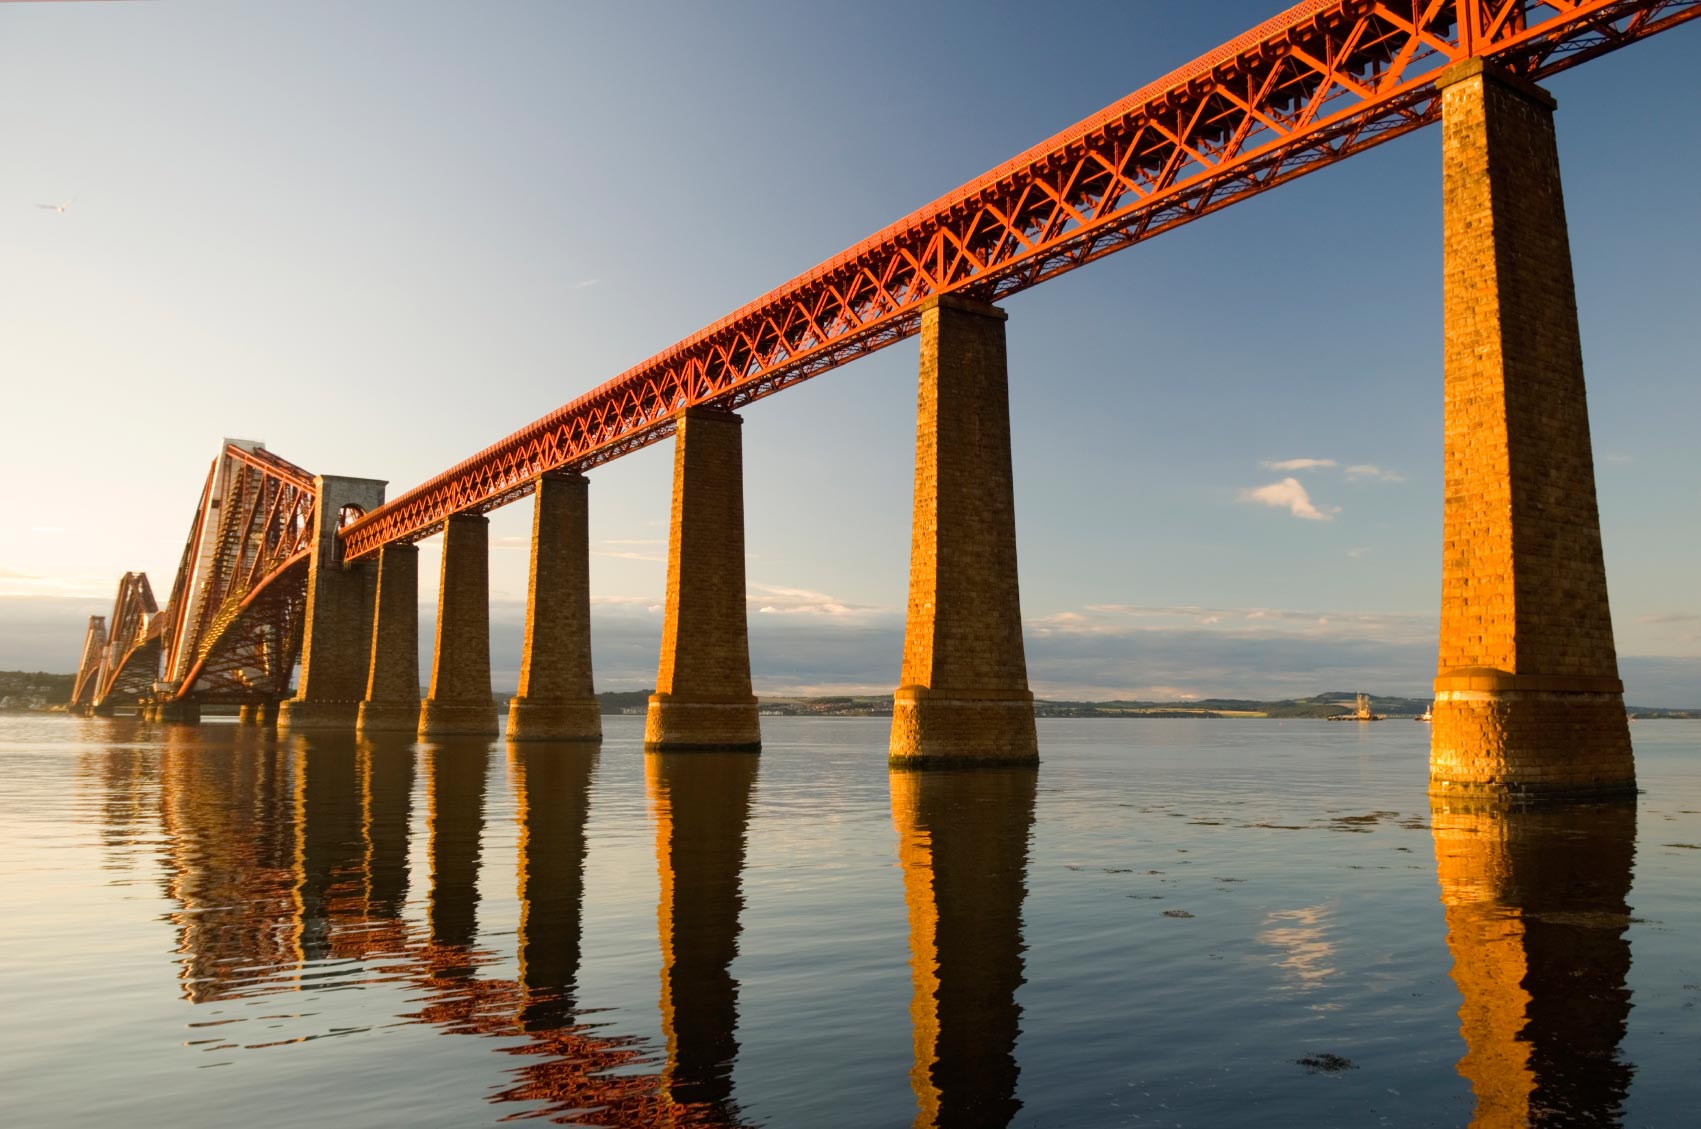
(1314,85)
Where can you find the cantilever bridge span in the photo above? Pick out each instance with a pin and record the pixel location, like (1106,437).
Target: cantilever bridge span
(325,567)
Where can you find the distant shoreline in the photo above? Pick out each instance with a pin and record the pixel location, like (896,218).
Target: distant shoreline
(39,692)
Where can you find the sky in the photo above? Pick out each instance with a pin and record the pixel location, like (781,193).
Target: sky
(379,236)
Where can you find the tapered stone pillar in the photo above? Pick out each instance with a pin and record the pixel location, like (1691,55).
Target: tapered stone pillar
(703,698)
(392,686)
(334,648)
(248,714)
(964,697)
(1527,696)
(557,701)
(461,704)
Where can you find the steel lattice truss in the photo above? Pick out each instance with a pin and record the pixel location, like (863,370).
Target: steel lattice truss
(231,631)
(120,662)
(235,618)
(1322,81)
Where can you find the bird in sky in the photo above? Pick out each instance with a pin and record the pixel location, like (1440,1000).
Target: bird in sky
(60,208)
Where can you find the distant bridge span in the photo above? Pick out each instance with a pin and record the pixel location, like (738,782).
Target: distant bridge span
(231,630)
(1312,86)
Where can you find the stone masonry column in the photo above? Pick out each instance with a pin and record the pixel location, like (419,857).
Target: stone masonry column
(460,704)
(392,686)
(334,649)
(557,701)
(703,698)
(1527,696)
(964,697)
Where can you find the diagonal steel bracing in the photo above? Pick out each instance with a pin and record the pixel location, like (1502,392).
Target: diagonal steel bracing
(1322,81)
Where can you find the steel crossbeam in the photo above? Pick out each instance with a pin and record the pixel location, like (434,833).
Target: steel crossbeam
(1322,81)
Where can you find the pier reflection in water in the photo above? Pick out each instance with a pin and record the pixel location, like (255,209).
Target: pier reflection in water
(1536,905)
(700,803)
(963,846)
(552,789)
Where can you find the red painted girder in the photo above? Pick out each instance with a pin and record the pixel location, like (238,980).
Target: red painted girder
(1322,81)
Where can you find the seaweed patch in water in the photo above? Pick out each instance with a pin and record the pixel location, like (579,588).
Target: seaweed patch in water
(1325,1064)
(1176,913)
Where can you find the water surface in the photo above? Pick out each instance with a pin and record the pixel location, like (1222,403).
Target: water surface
(1210,923)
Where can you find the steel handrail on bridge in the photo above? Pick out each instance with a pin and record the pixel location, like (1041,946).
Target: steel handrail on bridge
(1318,83)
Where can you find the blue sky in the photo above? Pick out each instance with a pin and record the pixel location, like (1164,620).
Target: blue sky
(379,236)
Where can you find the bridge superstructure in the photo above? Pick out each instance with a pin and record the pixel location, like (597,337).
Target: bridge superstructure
(231,629)
(1527,659)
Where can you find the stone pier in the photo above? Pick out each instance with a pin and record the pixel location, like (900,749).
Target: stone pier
(339,614)
(177,712)
(460,704)
(248,714)
(964,698)
(392,686)
(703,698)
(1527,695)
(557,701)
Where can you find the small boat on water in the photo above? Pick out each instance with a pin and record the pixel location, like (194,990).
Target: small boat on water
(1424,716)
(1362,713)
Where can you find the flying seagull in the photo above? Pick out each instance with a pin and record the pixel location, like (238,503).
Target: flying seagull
(60,208)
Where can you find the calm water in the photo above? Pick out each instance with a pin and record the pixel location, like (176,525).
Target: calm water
(1205,923)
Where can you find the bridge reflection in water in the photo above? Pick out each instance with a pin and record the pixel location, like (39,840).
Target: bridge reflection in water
(1536,917)
(963,845)
(287,866)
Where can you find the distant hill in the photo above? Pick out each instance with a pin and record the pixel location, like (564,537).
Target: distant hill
(34,689)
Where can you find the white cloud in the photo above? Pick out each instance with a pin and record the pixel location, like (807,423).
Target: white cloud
(1299,464)
(1358,551)
(1288,495)
(627,556)
(1359,472)
(770,599)
(644,603)
(633,541)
